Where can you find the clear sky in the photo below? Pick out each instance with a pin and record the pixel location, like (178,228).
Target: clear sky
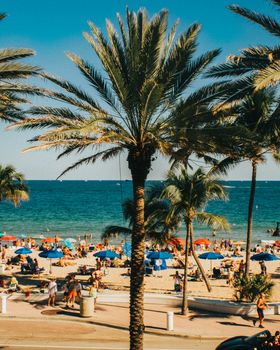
(55,27)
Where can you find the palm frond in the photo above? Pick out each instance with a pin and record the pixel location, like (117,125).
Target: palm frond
(268,23)
(268,76)
(217,222)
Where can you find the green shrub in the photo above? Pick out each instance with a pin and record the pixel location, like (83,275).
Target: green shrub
(248,288)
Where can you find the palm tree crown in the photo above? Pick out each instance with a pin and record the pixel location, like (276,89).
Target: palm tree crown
(12,90)
(145,72)
(12,187)
(157,226)
(190,193)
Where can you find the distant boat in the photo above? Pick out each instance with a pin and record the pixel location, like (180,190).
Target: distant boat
(118,184)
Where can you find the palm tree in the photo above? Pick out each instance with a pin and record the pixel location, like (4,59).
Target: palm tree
(145,71)
(12,187)
(189,194)
(256,113)
(157,228)
(12,90)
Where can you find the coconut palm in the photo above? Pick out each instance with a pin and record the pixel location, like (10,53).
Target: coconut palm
(145,71)
(189,194)
(257,113)
(12,90)
(157,228)
(12,187)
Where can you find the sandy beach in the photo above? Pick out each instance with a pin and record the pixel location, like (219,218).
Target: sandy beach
(116,279)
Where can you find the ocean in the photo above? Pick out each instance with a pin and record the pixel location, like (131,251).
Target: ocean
(71,208)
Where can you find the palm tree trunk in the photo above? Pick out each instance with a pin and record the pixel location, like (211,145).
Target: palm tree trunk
(185,300)
(250,216)
(198,262)
(136,327)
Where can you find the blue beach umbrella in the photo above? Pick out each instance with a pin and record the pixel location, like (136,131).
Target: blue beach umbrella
(106,254)
(51,254)
(159,255)
(23,251)
(264,257)
(211,256)
(69,244)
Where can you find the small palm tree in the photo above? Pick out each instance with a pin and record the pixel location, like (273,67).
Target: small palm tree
(157,228)
(189,194)
(146,70)
(12,187)
(12,90)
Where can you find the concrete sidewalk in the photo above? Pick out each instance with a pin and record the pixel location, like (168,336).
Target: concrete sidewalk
(197,325)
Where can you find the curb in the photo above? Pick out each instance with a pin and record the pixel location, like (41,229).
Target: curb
(114,326)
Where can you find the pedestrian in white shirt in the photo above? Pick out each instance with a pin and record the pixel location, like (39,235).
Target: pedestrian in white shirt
(52,289)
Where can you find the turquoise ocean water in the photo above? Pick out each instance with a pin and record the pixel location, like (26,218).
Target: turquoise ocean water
(71,208)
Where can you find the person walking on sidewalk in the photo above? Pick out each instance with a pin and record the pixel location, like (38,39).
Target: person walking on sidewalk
(261,306)
(52,290)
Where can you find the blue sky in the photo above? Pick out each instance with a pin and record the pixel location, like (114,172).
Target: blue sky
(55,27)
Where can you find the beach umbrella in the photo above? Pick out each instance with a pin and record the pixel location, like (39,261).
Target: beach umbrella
(159,255)
(69,244)
(106,254)
(127,249)
(2,234)
(211,256)
(8,238)
(200,241)
(264,257)
(51,254)
(23,251)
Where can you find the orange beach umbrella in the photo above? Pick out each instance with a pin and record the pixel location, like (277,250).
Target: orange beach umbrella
(8,238)
(204,241)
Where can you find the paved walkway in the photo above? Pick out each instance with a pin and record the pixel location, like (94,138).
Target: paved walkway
(201,325)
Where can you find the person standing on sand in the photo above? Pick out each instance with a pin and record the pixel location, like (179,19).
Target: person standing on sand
(261,306)
(263,268)
(52,290)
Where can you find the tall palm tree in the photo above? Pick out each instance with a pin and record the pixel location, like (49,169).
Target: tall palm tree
(12,186)
(189,195)
(256,113)
(157,228)
(12,72)
(145,71)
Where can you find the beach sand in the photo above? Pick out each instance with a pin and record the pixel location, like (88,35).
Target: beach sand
(163,282)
